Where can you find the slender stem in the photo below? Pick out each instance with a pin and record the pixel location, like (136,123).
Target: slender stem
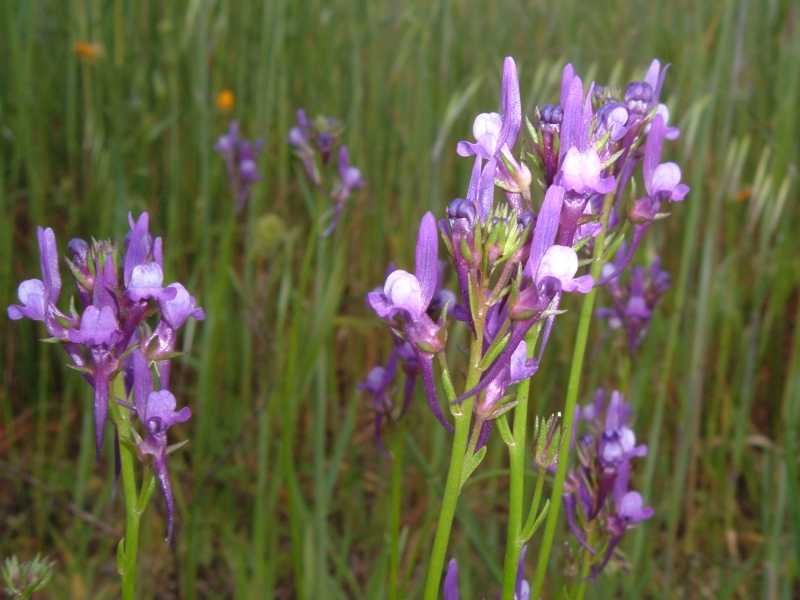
(573,387)
(395,502)
(516,456)
(584,576)
(127,567)
(462,415)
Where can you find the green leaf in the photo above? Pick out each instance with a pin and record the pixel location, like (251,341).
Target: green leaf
(505,430)
(471,463)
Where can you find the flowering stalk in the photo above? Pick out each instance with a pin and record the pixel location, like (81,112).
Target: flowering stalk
(462,415)
(573,387)
(127,551)
(516,494)
(395,504)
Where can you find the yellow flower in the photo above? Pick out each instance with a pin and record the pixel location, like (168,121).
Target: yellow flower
(88,51)
(225,101)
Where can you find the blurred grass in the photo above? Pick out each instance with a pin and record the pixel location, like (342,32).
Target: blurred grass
(278,498)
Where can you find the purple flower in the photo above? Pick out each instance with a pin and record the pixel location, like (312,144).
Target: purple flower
(38,296)
(495,135)
(156,411)
(661,180)
(240,157)
(598,487)
(634,300)
(403,302)
(349,179)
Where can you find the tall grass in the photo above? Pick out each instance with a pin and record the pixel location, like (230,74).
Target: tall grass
(282,493)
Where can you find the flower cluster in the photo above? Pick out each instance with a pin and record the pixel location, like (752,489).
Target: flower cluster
(598,501)
(127,326)
(314,143)
(514,260)
(634,300)
(240,162)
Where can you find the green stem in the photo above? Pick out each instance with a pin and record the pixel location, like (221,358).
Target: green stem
(127,561)
(395,502)
(584,576)
(516,456)
(573,387)
(462,415)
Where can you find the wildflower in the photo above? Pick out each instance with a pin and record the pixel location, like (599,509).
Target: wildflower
(240,157)
(314,143)
(156,412)
(495,136)
(403,302)
(349,179)
(633,301)
(88,52)
(597,489)
(225,101)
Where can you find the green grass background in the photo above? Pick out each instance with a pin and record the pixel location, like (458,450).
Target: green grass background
(281,492)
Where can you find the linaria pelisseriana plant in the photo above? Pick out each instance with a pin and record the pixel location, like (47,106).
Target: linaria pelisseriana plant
(598,501)
(315,143)
(241,158)
(566,201)
(121,339)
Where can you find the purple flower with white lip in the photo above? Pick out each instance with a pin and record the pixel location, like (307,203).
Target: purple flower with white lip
(661,180)
(38,296)
(403,303)
(156,412)
(240,157)
(495,136)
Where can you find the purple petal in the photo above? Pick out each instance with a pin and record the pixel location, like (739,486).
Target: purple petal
(32,293)
(652,151)
(160,468)
(567,75)
(142,383)
(427,258)
(653,71)
(48,257)
(486,188)
(544,233)
(138,245)
(98,326)
(379,303)
(573,117)
(426,366)
(511,105)
(521,589)
(450,587)
(474,181)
